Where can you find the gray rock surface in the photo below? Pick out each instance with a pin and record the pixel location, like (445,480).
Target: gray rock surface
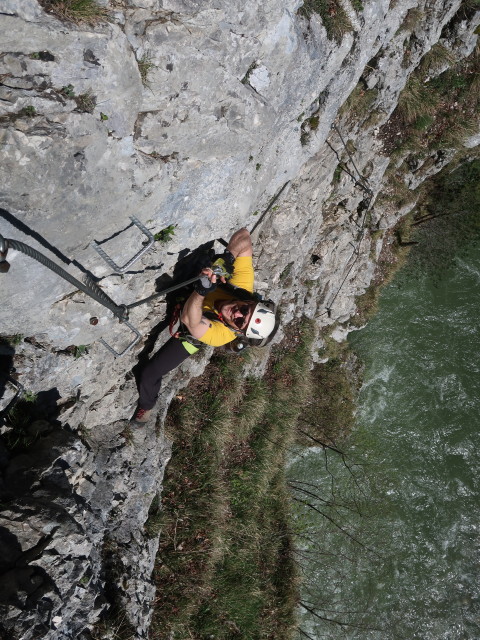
(187,114)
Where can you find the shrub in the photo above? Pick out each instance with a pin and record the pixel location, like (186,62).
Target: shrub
(86,102)
(165,235)
(448,221)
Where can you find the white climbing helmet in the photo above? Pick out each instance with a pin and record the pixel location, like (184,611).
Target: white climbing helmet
(262,322)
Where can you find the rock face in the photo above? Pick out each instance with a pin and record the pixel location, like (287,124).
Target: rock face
(188,114)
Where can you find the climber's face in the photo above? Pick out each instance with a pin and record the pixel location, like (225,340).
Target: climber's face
(236,313)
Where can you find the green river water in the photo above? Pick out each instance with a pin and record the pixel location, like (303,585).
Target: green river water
(406,564)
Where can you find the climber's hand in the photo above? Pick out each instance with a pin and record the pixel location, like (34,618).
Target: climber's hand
(207,282)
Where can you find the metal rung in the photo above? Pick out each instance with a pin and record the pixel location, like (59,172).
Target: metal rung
(138,255)
(20,390)
(138,335)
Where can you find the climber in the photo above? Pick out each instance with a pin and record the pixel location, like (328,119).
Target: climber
(214,314)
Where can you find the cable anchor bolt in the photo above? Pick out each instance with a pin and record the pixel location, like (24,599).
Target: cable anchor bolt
(4,264)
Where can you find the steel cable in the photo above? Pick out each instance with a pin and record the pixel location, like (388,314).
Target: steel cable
(88,286)
(362,182)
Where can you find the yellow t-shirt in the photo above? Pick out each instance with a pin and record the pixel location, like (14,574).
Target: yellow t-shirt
(218,334)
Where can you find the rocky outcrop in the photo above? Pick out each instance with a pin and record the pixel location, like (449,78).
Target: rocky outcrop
(185,114)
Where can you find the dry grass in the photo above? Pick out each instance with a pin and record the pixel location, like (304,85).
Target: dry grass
(76,11)
(359,104)
(334,18)
(86,102)
(435,61)
(417,99)
(412,19)
(145,64)
(436,113)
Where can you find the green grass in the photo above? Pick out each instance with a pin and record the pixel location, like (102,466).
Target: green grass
(423,122)
(76,11)
(225,567)
(359,104)
(439,112)
(12,340)
(80,350)
(145,65)
(334,18)
(337,174)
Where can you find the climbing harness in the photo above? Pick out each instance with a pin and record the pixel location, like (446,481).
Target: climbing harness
(362,182)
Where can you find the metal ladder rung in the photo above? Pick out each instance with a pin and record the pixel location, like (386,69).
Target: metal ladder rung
(138,255)
(116,354)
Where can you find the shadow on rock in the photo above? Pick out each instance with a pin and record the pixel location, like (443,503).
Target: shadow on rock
(37,519)
(188,266)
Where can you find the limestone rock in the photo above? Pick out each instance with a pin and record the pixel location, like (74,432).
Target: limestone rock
(194,117)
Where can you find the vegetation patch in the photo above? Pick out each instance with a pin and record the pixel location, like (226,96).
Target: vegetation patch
(114,622)
(434,61)
(154,521)
(145,65)
(412,19)
(446,222)
(328,415)
(80,350)
(436,112)
(76,11)
(359,104)
(12,340)
(28,111)
(25,422)
(225,565)
(333,15)
(165,235)
(308,126)
(395,250)
(86,102)
(286,271)
(250,70)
